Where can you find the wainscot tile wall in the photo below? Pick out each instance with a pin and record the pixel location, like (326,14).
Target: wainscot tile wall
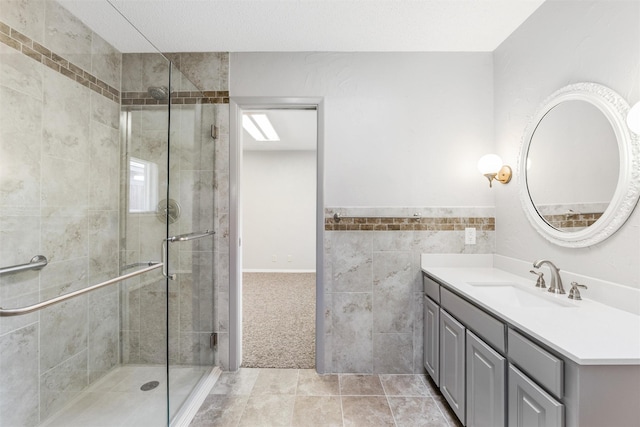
(373,287)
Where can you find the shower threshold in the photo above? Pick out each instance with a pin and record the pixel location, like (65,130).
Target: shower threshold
(123,397)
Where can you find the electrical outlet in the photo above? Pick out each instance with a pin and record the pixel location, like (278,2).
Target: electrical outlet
(288,258)
(274,258)
(469,236)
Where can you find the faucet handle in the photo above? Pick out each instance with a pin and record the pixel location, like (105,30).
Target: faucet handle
(540,282)
(574,293)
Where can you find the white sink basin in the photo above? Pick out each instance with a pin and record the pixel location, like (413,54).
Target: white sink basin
(513,295)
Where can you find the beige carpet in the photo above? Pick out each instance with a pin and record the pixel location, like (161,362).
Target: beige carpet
(278,318)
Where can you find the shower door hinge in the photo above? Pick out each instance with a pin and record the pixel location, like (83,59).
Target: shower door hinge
(213,340)
(214,131)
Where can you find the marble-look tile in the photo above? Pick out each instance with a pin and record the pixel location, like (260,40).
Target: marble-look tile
(276,381)
(310,383)
(104,168)
(20,148)
(317,411)
(66,118)
(392,292)
(132,73)
(393,353)
(222,411)
(64,237)
(58,386)
(155,71)
(351,258)
(404,385)
(67,35)
(26,16)
(222,311)
(204,69)
(268,410)
(63,332)
(365,411)
(104,352)
(103,244)
(222,351)
(105,111)
(64,184)
(416,412)
(19,367)
(352,336)
(106,61)
(64,276)
(19,242)
(17,72)
(360,385)
(418,338)
(447,412)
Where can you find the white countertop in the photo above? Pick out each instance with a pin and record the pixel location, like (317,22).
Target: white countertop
(586,332)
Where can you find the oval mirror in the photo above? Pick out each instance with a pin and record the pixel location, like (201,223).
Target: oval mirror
(577,180)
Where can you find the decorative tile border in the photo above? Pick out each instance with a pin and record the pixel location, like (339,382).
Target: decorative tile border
(177,98)
(37,52)
(408,224)
(572,221)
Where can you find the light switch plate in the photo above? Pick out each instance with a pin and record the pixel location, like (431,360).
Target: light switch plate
(469,236)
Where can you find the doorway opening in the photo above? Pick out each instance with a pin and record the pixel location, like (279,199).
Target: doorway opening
(276,226)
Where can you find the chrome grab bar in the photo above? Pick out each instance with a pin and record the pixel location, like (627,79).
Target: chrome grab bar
(36,263)
(31,308)
(191,236)
(138,264)
(180,238)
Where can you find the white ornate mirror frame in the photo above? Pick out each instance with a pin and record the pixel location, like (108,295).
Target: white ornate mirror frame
(627,191)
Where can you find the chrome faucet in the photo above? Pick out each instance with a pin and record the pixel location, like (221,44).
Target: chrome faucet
(556,280)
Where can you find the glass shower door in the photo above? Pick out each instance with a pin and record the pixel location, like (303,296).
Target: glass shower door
(190,291)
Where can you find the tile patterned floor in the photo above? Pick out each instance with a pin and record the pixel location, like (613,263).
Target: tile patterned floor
(292,397)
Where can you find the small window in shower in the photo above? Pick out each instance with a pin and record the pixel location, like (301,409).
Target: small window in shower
(143,185)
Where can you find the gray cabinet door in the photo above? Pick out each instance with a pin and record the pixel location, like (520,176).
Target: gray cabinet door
(529,405)
(452,363)
(431,332)
(486,370)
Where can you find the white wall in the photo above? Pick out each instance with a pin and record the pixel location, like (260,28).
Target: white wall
(565,42)
(401,129)
(279,210)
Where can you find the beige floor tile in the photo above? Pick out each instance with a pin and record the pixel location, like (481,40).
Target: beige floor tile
(220,411)
(276,381)
(444,407)
(416,412)
(404,385)
(360,385)
(238,383)
(317,411)
(366,411)
(310,383)
(268,410)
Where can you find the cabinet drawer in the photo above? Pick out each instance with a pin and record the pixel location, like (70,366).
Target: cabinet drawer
(483,324)
(431,288)
(546,369)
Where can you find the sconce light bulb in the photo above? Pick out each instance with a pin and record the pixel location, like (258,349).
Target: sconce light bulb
(633,119)
(489,163)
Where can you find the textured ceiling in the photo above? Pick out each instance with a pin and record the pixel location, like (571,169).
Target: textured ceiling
(305,25)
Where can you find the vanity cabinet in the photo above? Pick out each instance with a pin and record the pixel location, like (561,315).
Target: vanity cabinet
(452,363)
(486,370)
(431,333)
(530,405)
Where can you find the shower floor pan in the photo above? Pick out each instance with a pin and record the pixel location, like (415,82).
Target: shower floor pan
(118,400)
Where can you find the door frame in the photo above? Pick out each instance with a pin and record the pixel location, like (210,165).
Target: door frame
(236,106)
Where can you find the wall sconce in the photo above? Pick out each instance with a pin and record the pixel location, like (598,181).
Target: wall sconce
(490,165)
(633,119)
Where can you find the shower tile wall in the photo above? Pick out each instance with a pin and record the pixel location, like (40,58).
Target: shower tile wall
(193,153)
(59,186)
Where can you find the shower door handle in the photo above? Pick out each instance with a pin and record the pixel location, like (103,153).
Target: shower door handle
(180,238)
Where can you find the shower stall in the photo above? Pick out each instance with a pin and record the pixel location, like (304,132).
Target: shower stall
(106,229)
